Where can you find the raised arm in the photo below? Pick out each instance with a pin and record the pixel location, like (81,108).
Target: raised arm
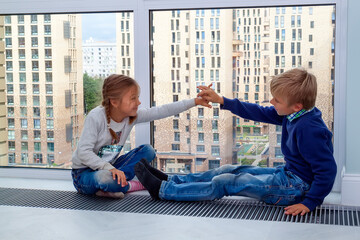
(249,111)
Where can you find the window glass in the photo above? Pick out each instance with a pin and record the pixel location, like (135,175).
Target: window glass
(87,49)
(261,45)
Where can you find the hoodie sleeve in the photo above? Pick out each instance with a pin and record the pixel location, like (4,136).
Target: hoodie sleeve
(252,111)
(86,146)
(163,111)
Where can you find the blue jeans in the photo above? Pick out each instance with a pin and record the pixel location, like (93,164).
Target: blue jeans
(271,185)
(88,181)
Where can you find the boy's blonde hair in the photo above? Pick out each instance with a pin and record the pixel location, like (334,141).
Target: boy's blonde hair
(295,86)
(115,87)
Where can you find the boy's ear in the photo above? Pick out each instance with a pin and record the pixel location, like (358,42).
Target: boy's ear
(297,107)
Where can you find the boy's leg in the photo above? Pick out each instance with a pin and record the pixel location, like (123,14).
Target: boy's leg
(127,161)
(156,172)
(208,175)
(274,188)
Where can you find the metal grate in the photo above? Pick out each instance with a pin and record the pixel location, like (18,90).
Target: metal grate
(223,208)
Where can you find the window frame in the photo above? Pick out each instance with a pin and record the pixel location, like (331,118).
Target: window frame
(142,9)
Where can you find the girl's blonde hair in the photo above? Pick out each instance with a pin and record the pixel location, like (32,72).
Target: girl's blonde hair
(115,87)
(296,86)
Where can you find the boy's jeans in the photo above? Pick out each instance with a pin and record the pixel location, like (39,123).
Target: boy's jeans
(88,181)
(271,185)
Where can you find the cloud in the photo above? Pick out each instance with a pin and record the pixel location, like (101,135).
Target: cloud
(99,26)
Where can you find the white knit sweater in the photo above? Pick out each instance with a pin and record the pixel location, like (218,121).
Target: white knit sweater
(95,133)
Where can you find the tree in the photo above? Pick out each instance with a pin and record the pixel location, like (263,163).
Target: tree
(92,92)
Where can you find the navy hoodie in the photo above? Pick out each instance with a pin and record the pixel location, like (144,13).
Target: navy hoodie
(306,144)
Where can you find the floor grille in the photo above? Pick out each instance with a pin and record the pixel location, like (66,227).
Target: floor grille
(223,208)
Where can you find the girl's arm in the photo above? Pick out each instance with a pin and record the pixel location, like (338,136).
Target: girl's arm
(163,111)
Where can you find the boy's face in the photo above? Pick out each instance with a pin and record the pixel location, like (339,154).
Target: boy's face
(282,108)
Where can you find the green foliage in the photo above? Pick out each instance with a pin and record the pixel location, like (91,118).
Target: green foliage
(92,92)
(263,163)
(246,161)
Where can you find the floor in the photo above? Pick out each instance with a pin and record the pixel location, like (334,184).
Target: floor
(40,223)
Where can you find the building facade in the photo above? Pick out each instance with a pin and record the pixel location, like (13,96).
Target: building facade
(44,90)
(99,58)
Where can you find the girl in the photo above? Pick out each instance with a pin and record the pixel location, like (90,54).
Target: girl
(97,166)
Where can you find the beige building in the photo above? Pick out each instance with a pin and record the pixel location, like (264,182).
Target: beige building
(193,48)
(237,51)
(44,90)
(3,132)
(125,56)
(303,37)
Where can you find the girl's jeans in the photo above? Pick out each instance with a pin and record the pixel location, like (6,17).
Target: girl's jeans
(88,181)
(271,185)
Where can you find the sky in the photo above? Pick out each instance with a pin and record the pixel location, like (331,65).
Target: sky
(99,26)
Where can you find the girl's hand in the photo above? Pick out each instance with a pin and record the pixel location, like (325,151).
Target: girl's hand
(203,102)
(120,175)
(208,94)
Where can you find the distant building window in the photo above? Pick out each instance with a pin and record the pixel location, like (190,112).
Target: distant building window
(200,148)
(175,147)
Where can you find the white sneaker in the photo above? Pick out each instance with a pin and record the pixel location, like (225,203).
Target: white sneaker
(101,193)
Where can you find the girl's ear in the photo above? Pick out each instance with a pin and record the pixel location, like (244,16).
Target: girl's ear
(114,102)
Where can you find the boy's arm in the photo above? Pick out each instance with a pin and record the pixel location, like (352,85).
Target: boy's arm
(316,148)
(252,111)
(249,111)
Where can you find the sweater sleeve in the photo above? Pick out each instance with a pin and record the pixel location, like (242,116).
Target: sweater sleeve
(163,111)
(316,148)
(252,111)
(86,145)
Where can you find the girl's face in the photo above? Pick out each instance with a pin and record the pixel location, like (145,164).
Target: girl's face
(282,108)
(130,102)
(128,105)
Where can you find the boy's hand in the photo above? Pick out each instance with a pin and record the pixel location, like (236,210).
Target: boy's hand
(208,94)
(120,175)
(296,209)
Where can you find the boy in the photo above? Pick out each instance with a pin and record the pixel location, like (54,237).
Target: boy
(301,184)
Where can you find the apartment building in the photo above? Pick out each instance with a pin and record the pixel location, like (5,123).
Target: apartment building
(237,51)
(125,57)
(99,58)
(192,48)
(3,123)
(303,37)
(125,43)
(44,96)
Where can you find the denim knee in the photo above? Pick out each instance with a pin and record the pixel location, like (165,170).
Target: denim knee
(104,177)
(149,152)
(219,183)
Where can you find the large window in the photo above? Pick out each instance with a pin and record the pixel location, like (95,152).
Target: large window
(234,45)
(261,42)
(46,95)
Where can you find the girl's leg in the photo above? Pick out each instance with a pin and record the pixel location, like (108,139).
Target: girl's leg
(88,181)
(127,161)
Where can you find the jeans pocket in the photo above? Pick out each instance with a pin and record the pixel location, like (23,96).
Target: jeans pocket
(280,200)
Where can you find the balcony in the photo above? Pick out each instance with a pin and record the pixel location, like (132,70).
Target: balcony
(237,42)
(237,53)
